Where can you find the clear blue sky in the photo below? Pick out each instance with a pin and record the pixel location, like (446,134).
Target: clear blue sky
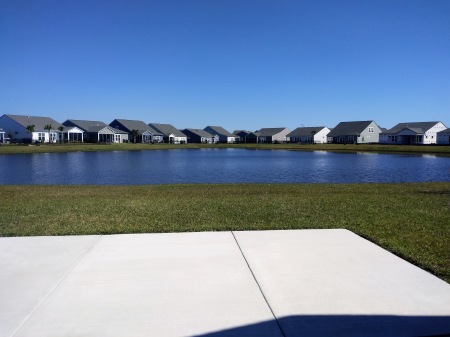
(241,64)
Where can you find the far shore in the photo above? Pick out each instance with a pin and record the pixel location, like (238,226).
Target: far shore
(441,150)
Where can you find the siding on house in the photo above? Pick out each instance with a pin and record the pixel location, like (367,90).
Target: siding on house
(170,133)
(443,137)
(200,136)
(358,132)
(413,133)
(96,131)
(272,135)
(316,135)
(146,133)
(224,135)
(15,127)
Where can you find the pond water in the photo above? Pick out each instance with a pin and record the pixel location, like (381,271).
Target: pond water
(219,166)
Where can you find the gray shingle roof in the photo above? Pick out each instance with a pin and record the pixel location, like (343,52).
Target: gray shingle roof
(417,127)
(38,122)
(269,132)
(131,125)
(200,132)
(349,128)
(445,131)
(87,126)
(220,131)
(305,131)
(167,129)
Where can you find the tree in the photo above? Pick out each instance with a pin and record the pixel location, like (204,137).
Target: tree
(135,134)
(30,130)
(61,129)
(313,133)
(49,128)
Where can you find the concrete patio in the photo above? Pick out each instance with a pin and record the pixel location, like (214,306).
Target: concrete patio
(265,283)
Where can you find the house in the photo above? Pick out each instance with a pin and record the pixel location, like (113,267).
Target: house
(443,137)
(98,132)
(361,132)
(312,135)
(412,133)
(31,129)
(139,130)
(170,134)
(200,136)
(241,135)
(272,135)
(252,137)
(224,135)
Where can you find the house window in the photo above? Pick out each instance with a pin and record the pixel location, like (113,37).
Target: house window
(53,137)
(41,136)
(370,130)
(117,138)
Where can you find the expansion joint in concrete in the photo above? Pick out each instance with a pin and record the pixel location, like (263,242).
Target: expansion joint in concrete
(259,286)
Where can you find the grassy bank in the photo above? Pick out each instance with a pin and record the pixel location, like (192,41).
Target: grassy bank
(411,220)
(50,148)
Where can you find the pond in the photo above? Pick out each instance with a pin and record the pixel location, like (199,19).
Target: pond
(219,166)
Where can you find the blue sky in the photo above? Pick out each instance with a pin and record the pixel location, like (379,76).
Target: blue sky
(241,64)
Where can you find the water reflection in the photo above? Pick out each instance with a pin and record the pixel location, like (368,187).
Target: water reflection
(219,166)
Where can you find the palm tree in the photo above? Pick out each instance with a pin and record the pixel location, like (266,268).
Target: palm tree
(30,130)
(313,132)
(49,128)
(135,134)
(61,129)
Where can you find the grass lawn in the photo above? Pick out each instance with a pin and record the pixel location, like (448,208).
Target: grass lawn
(426,149)
(410,220)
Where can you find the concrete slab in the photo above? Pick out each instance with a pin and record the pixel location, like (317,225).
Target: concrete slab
(30,268)
(155,285)
(333,282)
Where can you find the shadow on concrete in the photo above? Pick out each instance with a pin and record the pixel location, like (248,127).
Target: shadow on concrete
(342,325)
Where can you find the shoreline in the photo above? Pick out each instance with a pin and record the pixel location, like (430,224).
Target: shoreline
(439,150)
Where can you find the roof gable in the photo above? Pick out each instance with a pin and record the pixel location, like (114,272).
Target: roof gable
(167,129)
(131,125)
(38,122)
(220,130)
(269,132)
(87,126)
(349,128)
(305,131)
(417,127)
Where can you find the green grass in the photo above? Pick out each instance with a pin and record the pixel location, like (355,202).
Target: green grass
(85,147)
(410,220)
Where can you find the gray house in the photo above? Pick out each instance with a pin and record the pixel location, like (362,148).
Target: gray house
(361,132)
(272,135)
(443,137)
(31,129)
(170,134)
(145,133)
(98,132)
(200,136)
(413,133)
(310,135)
(241,135)
(224,135)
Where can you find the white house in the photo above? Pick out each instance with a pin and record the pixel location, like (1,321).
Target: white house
(316,135)
(443,137)
(21,128)
(412,133)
